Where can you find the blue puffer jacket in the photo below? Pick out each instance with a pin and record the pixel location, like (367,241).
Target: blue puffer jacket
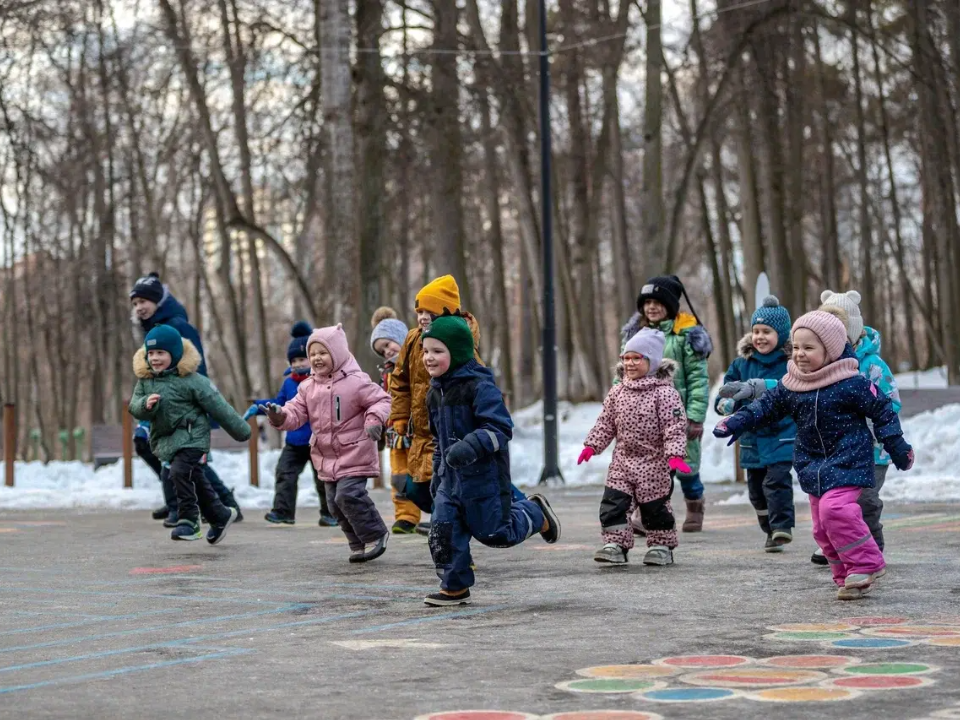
(878,372)
(773,443)
(834,447)
(466,404)
(301,436)
(171,312)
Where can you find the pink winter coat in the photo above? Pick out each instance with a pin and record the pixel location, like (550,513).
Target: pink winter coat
(338,407)
(647,419)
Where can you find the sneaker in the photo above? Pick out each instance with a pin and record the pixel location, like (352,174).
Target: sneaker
(186,530)
(658,555)
(440,599)
(863,580)
(378,549)
(277,519)
(818,558)
(328,521)
(782,537)
(852,593)
(172,519)
(215,534)
(552,533)
(356,556)
(403,527)
(611,553)
(772,546)
(160,513)
(423,529)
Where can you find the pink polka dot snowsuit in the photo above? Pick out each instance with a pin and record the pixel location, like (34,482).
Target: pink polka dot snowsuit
(647,419)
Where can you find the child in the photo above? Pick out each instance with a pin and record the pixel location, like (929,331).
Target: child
(179,402)
(866,346)
(766,453)
(645,415)
(830,400)
(386,340)
(346,411)
(296,447)
(410,383)
(471,464)
(688,345)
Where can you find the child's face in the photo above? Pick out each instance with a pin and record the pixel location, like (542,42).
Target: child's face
(143,308)
(425,319)
(764,338)
(159,360)
(635,366)
(386,348)
(809,354)
(654,310)
(320,361)
(301,366)
(436,357)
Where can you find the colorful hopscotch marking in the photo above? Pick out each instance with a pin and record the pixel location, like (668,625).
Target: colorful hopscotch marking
(810,662)
(867,643)
(172,570)
(681,695)
(916,631)
(868,621)
(803,694)
(603,715)
(889,668)
(815,627)
(477,715)
(613,686)
(752,677)
(879,682)
(704,661)
(943,642)
(807,636)
(628,672)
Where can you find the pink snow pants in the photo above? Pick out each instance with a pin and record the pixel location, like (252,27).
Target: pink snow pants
(844,537)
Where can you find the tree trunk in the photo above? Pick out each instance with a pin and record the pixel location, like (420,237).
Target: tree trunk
(660,258)
(830,253)
(750,224)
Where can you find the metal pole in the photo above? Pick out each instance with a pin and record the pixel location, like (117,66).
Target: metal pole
(551,468)
(127,430)
(9,441)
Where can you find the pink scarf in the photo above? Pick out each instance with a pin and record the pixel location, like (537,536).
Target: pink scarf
(800,381)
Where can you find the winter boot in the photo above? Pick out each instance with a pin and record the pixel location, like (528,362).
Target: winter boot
(693,522)
(658,555)
(818,558)
(552,533)
(863,580)
(782,537)
(371,552)
(423,529)
(172,519)
(277,519)
(852,593)
(403,527)
(612,554)
(186,530)
(216,533)
(771,545)
(440,599)
(160,513)
(328,521)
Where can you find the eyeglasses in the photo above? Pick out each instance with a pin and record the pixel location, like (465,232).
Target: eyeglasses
(633,360)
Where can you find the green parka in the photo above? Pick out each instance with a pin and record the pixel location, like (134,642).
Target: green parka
(181,419)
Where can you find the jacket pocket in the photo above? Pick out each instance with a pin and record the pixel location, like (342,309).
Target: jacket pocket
(353,437)
(478,480)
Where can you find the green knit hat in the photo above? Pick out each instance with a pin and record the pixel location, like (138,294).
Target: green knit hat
(453,331)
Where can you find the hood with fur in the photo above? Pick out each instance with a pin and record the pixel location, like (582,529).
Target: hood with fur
(189,363)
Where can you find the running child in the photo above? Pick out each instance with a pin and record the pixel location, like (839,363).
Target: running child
(473,495)
(179,402)
(645,415)
(346,411)
(828,398)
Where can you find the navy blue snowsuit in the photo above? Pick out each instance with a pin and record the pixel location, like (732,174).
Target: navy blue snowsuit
(475,501)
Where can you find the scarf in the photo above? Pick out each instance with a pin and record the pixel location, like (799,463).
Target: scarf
(800,381)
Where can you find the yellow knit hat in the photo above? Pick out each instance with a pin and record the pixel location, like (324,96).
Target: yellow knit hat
(439,296)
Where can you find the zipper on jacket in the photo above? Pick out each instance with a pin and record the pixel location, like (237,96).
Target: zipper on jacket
(338,408)
(816,403)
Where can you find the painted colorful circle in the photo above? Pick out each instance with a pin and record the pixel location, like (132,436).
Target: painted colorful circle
(609,685)
(943,641)
(808,636)
(914,631)
(866,621)
(803,694)
(863,643)
(879,682)
(704,661)
(815,627)
(810,662)
(751,677)
(627,672)
(603,715)
(477,715)
(688,695)
(889,668)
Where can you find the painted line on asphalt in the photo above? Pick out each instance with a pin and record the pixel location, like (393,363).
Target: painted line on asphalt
(429,618)
(142,596)
(79,623)
(124,671)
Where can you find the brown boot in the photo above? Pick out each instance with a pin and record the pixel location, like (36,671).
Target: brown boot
(693,522)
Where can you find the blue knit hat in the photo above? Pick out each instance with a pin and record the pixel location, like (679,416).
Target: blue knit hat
(386,326)
(164,337)
(298,346)
(772,314)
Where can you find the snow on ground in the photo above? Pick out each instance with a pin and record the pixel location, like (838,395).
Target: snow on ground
(935,477)
(923,379)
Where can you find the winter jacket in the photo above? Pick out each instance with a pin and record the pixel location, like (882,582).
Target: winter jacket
(772,443)
(409,386)
(647,419)
(878,372)
(689,345)
(338,407)
(171,312)
(300,436)
(466,404)
(834,447)
(180,420)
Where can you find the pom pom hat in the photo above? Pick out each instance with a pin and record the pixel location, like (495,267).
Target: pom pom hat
(386,326)
(298,345)
(149,288)
(772,314)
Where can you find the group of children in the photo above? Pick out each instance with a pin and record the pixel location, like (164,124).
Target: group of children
(814,396)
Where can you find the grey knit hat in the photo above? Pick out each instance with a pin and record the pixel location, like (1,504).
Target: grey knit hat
(386,326)
(649,343)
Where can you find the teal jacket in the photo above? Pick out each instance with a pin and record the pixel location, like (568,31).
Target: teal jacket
(873,367)
(181,419)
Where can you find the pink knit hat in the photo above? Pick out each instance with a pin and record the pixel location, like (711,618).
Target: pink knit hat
(828,328)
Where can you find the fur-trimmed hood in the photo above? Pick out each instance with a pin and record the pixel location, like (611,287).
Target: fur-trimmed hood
(745,348)
(666,371)
(189,363)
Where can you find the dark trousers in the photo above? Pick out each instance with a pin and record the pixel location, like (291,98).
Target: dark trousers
(355,511)
(211,478)
(142,447)
(289,468)
(194,494)
(771,494)
(871,504)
